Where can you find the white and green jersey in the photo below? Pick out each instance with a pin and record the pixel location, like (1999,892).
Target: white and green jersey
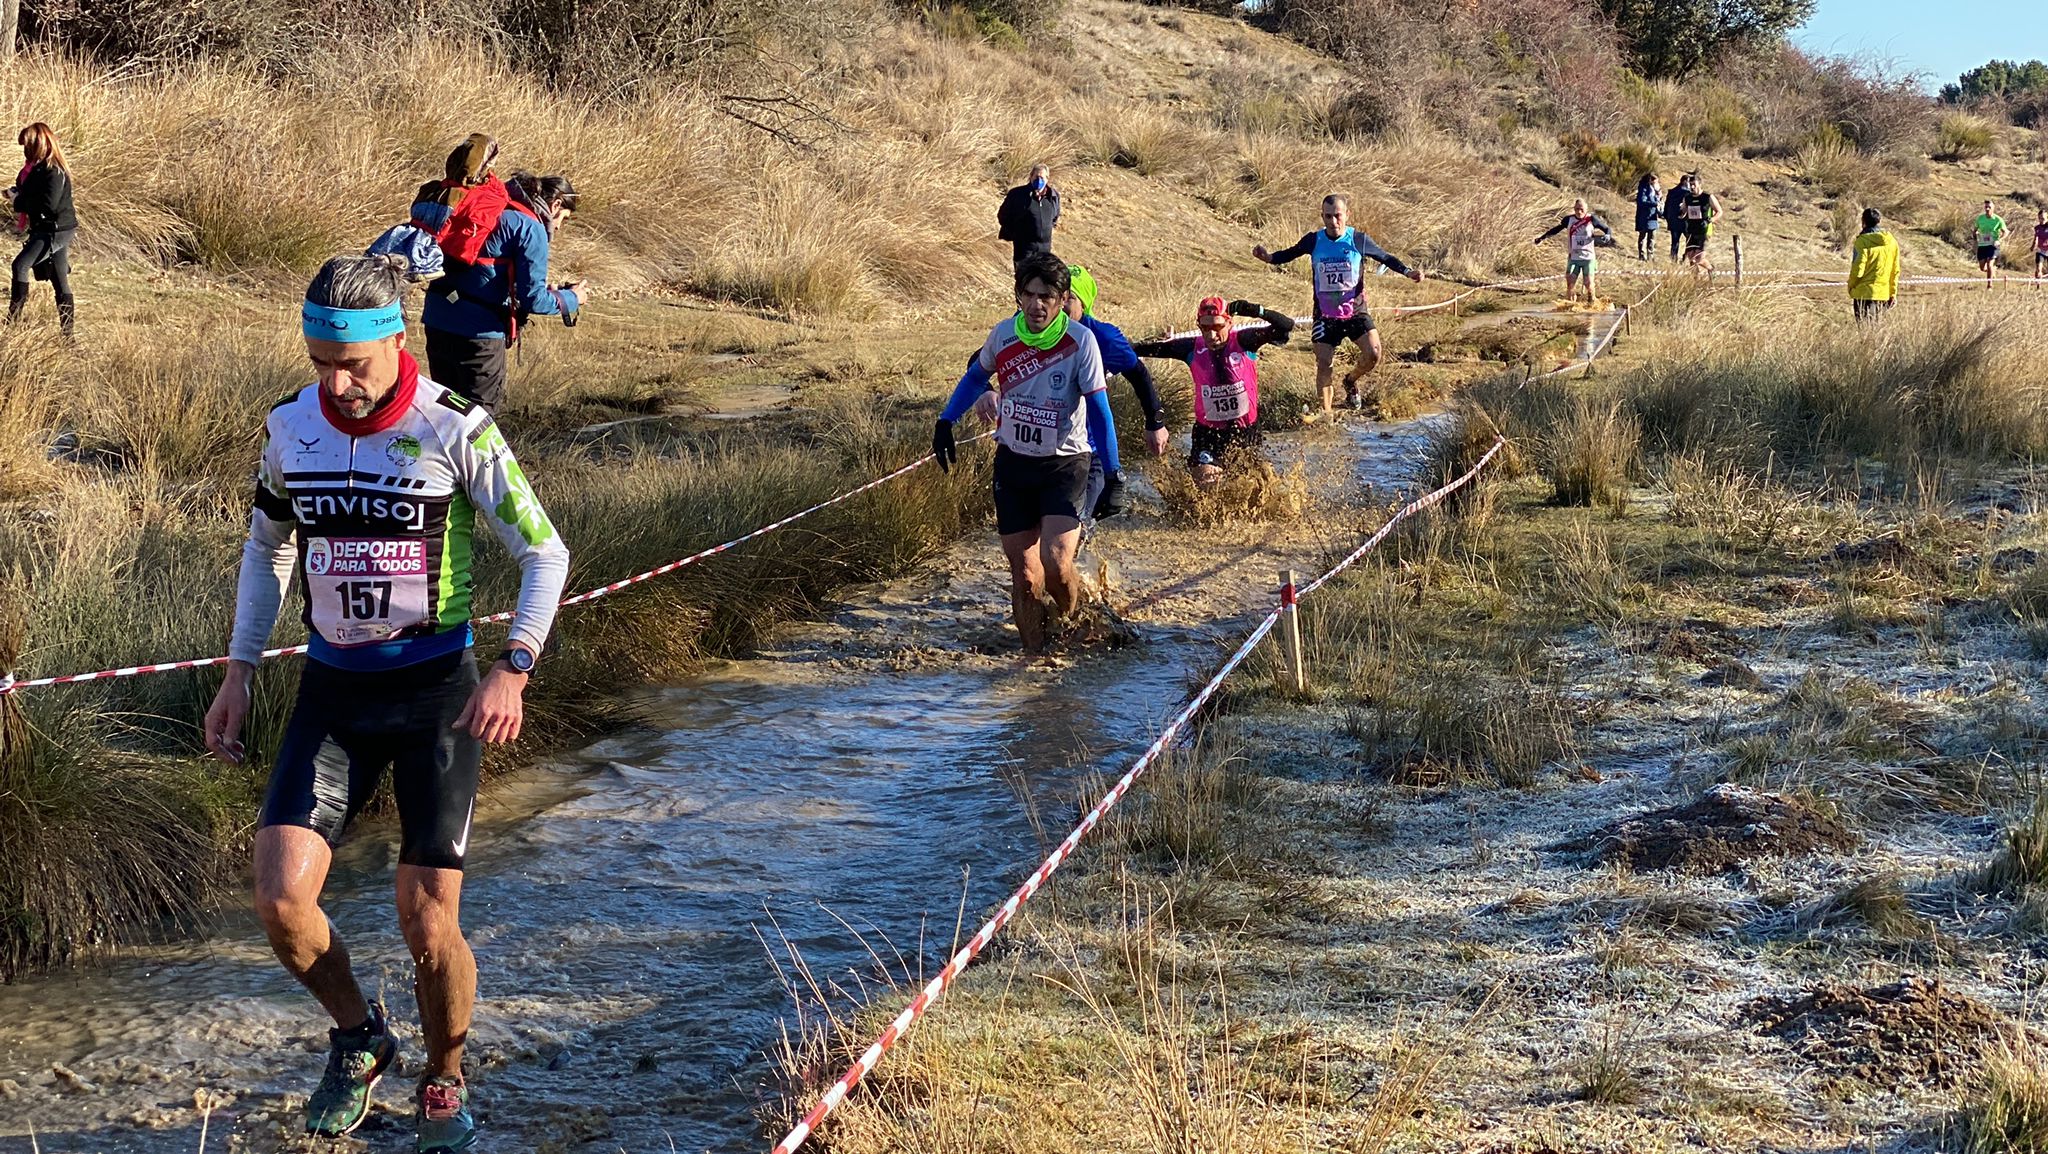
(378,529)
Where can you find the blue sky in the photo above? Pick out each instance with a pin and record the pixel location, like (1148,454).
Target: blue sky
(1942,40)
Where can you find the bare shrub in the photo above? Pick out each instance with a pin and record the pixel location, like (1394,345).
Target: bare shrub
(1792,91)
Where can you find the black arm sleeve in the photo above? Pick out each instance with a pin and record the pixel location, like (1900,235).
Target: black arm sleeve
(1299,248)
(1177,349)
(1279,326)
(1554,230)
(1148,395)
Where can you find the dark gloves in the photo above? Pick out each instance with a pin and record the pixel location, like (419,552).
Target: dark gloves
(1111,502)
(942,445)
(1244,309)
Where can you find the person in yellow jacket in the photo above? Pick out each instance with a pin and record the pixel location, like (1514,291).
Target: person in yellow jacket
(1873,269)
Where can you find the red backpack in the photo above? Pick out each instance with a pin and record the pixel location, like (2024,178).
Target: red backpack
(470,223)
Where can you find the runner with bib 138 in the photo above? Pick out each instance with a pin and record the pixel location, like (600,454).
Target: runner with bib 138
(1052,405)
(378,474)
(1337,253)
(1224,364)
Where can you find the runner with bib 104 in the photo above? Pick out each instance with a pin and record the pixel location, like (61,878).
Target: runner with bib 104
(1052,414)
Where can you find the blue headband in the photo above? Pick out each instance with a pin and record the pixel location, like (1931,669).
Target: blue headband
(352,326)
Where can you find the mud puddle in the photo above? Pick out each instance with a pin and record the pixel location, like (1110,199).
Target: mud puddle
(834,796)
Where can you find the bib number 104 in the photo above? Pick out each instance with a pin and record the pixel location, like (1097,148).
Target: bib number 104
(1027,434)
(364,600)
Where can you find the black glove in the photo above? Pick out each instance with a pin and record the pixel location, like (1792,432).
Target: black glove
(942,445)
(1111,502)
(1243,309)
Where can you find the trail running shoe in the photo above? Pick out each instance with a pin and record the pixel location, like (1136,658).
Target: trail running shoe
(356,1060)
(445,1122)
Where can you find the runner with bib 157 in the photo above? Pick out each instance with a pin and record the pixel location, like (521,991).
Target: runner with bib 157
(378,475)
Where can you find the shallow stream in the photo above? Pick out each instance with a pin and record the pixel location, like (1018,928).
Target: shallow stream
(626,902)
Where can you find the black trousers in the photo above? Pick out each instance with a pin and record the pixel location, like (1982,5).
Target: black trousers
(44,256)
(472,366)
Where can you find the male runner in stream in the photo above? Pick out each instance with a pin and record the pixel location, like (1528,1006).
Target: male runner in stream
(1337,255)
(1225,366)
(1053,404)
(1579,227)
(1117,360)
(369,489)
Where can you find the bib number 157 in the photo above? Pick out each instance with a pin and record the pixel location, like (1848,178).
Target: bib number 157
(364,600)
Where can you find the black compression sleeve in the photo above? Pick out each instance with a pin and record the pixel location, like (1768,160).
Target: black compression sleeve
(1300,248)
(1148,394)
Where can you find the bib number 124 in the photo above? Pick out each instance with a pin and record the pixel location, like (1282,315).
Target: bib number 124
(364,600)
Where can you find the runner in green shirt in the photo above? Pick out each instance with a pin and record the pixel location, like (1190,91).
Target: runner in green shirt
(1990,231)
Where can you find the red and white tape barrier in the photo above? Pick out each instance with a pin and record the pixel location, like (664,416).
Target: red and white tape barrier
(934,989)
(1606,338)
(8,684)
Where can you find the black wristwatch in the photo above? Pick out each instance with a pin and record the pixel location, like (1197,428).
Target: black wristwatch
(521,660)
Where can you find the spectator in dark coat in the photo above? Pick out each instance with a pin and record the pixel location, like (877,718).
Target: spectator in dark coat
(42,200)
(1029,213)
(1674,213)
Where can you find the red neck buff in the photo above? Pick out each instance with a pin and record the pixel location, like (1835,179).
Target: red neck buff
(383,416)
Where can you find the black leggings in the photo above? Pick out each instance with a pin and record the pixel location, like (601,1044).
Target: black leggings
(47,253)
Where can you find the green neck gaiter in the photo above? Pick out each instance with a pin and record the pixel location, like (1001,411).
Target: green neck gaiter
(1045,338)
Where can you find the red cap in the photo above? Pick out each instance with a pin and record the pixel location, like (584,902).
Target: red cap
(1210,307)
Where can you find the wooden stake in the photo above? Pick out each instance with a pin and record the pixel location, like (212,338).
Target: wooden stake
(10,26)
(1738,260)
(1290,631)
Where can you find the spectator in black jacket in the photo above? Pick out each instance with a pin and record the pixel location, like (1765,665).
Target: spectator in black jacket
(42,201)
(1028,215)
(1674,212)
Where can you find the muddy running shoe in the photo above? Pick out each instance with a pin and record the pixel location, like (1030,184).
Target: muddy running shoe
(356,1059)
(445,1122)
(1352,399)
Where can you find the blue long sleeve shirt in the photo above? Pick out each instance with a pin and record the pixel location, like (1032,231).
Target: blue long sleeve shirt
(481,293)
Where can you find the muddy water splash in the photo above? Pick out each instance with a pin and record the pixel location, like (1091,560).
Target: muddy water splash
(842,786)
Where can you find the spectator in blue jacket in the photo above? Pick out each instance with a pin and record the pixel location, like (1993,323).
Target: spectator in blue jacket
(1649,214)
(473,312)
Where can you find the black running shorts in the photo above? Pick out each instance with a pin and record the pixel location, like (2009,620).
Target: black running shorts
(346,727)
(1030,489)
(1328,331)
(1221,443)
(1987,254)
